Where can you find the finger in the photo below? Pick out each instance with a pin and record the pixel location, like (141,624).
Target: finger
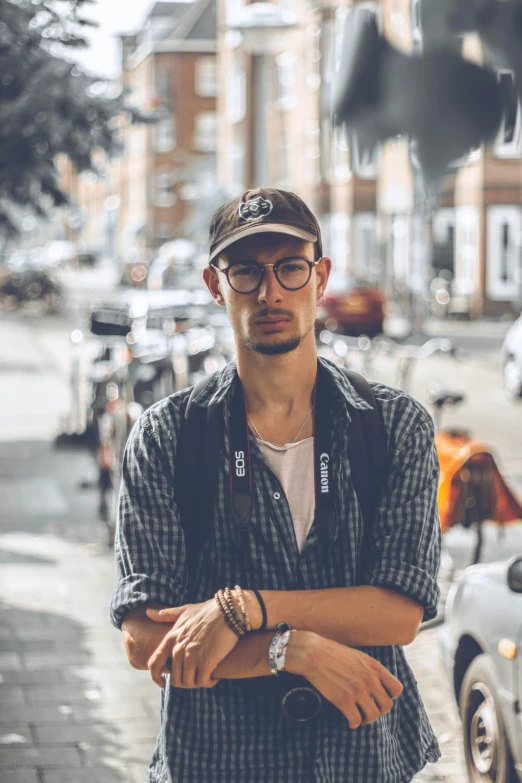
(158,663)
(353,715)
(178,668)
(368,709)
(169,615)
(383,701)
(391,684)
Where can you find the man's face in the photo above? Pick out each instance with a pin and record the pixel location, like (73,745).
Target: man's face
(271,320)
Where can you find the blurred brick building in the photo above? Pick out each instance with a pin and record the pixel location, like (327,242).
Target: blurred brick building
(170,68)
(273,128)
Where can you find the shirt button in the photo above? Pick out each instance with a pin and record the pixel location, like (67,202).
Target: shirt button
(276,496)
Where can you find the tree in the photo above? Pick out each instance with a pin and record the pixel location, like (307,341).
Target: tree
(48,106)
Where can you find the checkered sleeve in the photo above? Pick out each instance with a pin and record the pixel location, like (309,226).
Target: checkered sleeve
(149,545)
(405,551)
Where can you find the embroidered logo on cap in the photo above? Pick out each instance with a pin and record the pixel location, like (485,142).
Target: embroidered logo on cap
(255,208)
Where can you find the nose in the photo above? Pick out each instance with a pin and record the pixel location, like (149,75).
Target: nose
(270,292)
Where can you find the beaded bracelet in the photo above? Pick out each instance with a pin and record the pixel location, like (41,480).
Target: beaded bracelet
(232,606)
(229,612)
(242,604)
(229,618)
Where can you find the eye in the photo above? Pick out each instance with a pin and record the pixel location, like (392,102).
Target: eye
(242,270)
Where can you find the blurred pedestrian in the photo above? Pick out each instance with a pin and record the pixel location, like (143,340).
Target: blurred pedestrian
(331,608)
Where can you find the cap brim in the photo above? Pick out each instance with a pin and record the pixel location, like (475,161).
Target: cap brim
(264,228)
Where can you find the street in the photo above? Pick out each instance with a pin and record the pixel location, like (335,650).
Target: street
(73,710)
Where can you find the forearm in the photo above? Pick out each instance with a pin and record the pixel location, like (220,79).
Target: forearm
(249,658)
(354,616)
(142,636)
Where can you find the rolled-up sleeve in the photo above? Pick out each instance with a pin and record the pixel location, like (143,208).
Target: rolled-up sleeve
(406,534)
(149,544)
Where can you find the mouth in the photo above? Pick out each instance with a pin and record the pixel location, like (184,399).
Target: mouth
(272,324)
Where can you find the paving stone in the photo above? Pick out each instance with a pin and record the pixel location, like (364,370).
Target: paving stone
(120,732)
(11,737)
(124,709)
(33,714)
(136,752)
(20,776)
(39,661)
(27,645)
(44,679)
(11,694)
(91,775)
(10,661)
(41,757)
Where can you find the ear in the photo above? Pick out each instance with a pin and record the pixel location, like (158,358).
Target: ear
(323,269)
(210,276)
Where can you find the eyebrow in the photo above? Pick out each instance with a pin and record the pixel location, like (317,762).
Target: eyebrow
(253,260)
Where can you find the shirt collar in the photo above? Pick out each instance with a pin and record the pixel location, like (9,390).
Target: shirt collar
(221,387)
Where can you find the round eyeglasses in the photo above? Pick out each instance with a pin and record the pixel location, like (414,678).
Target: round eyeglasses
(245,277)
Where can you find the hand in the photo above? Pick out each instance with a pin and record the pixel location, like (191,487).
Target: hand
(358,685)
(199,640)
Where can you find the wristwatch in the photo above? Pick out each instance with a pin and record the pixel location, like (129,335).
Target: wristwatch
(274,649)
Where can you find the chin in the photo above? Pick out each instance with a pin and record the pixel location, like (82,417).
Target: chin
(274,348)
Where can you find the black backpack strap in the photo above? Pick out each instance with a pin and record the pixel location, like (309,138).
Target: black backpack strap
(369,457)
(196,471)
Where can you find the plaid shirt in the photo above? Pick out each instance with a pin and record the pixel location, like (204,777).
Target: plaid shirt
(223,734)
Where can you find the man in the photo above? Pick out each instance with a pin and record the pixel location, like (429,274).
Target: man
(266,267)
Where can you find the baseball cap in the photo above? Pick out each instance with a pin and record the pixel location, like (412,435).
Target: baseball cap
(260,211)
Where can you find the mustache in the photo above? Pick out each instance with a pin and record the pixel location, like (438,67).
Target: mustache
(270,312)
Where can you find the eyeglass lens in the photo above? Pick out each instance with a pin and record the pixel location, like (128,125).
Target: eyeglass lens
(246,277)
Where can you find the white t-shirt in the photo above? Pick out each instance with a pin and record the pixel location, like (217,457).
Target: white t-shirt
(293,464)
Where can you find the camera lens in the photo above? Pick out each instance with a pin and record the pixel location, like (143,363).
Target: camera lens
(301,704)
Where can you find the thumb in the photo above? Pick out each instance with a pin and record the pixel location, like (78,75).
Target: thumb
(163,615)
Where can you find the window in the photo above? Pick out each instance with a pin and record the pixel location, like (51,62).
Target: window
(341,158)
(236,95)
(312,153)
(236,166)
(285,67)
(205,131)
(467,254)
(340,241)
(165,134)
(285,147)
(163,86)
(363,245)
(164,182)
(313,56)
(233,11)
(508,144)
(504,227)
(206,77)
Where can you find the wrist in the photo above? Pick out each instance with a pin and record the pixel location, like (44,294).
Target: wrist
(254,610)
(298,651)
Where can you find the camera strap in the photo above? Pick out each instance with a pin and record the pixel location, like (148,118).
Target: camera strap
(241,468)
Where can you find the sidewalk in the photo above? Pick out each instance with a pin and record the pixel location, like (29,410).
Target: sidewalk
(72,709)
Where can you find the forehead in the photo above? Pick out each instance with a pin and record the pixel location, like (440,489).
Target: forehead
(262,247)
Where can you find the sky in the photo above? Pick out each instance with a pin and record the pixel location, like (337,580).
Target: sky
(102,58)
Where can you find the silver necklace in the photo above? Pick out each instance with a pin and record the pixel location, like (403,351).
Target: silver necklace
(300,428)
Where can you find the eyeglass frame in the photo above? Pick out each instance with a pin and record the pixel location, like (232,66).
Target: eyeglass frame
(311,265)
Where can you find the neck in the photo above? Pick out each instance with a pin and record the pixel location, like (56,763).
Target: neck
(279,385)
